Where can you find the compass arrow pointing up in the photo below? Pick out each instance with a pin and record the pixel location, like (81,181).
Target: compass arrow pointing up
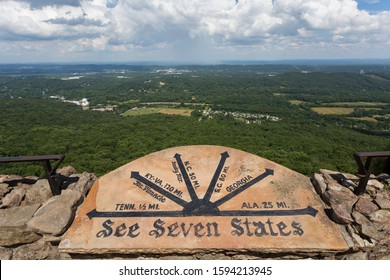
(218,171)
(187,180)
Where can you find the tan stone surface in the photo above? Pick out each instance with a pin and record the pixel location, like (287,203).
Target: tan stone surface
(195,198)
(56,214)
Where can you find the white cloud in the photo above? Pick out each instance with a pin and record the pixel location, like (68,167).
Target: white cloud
(163,25)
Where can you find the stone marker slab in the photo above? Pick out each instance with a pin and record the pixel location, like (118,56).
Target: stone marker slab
(202,198)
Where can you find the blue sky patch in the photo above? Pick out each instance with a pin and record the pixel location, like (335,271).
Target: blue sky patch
(374,6)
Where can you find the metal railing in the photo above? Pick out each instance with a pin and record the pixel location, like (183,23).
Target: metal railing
(50,171)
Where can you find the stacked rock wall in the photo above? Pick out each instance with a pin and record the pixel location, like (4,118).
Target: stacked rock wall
(364,220)
(32,221)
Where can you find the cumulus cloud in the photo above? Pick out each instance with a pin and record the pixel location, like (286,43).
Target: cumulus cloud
(219,24)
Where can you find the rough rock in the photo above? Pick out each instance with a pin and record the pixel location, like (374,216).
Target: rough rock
(84,183)
(31,179)
(340,213)
(356,237)
(14,198)
(365,206)
(351,185)
(56,215)
(381,251)
(5,253)
(383,177)
(4,189)
(366,227)
(13,228)
(371,190)
(319,183)
(17,235)
(35,251)
(17,216)
(340,194)
(332,177)
(39,192)
(66,171)
(2,178)
(52,239)
(9,179)
(381,219)
(347,236)
(360,255)
(341,201)
(383,200)
(375,183)
(349,176)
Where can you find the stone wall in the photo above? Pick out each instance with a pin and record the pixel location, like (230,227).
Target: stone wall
(32,221)
(364,220)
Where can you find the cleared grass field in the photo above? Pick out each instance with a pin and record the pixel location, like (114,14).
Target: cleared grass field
(167,111)
(371,108)
(387,116)
(357,104)
(131,101)
(333,110)
(369,119)
(296,102)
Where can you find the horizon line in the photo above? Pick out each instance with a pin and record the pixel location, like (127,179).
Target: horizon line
(348,61)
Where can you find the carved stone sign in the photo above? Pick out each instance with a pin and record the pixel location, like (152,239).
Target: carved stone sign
(196,198)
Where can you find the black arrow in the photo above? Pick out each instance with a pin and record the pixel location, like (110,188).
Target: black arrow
(230,213)
(96,214)
(172,197)
(267,173)
(187,180)
(294,212)
(214,180)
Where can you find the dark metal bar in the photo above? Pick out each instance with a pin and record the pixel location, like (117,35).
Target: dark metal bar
(31,158)
(359,163)
(364,170)
(387,166)
(49,170)
(55,189)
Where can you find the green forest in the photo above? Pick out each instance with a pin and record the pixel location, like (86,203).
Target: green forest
(354,113)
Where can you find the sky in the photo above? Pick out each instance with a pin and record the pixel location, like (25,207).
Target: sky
(192,31)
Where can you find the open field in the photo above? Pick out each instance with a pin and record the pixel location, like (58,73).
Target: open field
(387,116)
(356,104)
(296,102)
(167,111)
(376,77)
(131,101)
(369,119)
(371,108)
(333,110)
(278,94)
